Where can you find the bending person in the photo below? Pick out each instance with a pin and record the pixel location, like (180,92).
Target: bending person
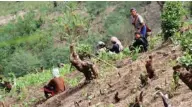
(56,85)
(117,46)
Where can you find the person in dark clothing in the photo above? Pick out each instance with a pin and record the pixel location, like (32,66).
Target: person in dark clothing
(139,42)
(117,46)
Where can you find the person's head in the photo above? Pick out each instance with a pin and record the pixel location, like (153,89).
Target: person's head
(137,35)
(114,40)
(133,11)
(101,44)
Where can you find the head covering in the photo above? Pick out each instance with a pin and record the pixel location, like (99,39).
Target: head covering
(132,9)
(55,72)
(114,39)
(101,43)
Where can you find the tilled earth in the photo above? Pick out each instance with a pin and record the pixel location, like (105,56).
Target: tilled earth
(125,81)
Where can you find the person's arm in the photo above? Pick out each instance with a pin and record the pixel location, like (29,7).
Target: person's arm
(141,21)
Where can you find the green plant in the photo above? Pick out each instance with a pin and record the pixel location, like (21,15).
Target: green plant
(84,50)
(135,54)
(190,8)
(186,41)
(51,56)
(24,27)
(175,82)
(96,7)
(171,18)
(21,62)
(186,60)
(154,40)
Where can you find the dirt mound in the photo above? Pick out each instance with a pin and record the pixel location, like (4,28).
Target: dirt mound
(126,82)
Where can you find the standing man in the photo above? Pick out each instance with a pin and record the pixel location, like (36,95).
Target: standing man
(138,22)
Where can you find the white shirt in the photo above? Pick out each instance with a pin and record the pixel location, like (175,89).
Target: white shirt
(138,22)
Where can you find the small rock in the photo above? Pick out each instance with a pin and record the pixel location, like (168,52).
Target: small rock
(174,57)
(134,90)
(158,88)
(165,54)
(163,70)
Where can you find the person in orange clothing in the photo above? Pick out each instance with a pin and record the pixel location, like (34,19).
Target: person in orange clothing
(56,85)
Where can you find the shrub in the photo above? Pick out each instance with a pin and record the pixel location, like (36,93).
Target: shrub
(190,8)
(20,63)
(96,7)
(186,60)
(84,50)
(52,56)
(23,27)
(171,18)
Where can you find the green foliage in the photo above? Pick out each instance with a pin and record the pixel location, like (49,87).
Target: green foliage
(23,27)
(154,40)
(109,56)
(135,54)
(186,60)
(84,50)
(73,81)
(96,7)
(52,56)
(21,62)
(186,41)
(126,51)
(171,18)
(73,25)
(114,21)
(12,7)
(190,7)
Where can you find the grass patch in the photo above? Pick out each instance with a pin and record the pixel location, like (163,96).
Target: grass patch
(12,7)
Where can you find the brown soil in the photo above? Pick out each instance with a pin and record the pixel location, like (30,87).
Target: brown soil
(126,82)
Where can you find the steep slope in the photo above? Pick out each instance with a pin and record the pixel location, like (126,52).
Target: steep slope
(101,92)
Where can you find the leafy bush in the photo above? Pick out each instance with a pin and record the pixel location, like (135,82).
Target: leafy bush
(190,8)
(96,7)
(74,25)
(20,63)
(23,27)
(52,56)
(185,40)
(171,18)
(186,60)
(84,50)
(126,51)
